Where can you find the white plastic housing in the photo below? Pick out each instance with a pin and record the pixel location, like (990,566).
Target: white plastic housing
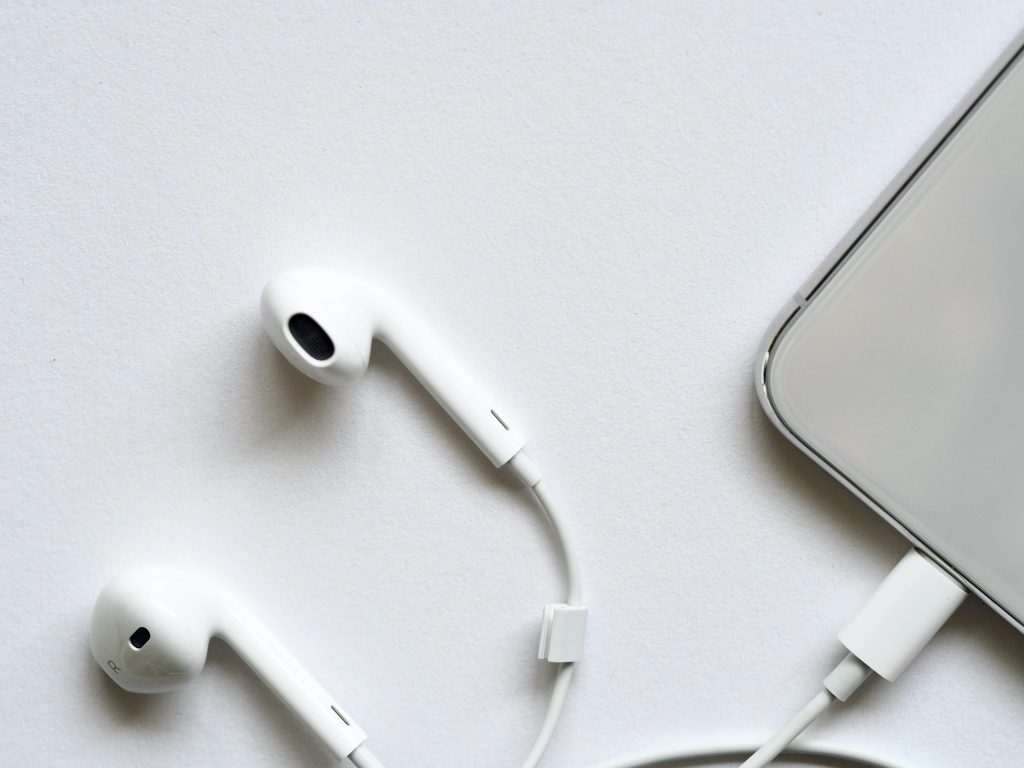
(352,313)
(181,613)
(904,613)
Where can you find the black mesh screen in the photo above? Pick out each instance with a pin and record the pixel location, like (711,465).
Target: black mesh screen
(139,637)
(311,337)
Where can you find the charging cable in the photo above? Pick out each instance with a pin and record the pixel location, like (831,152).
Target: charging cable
(897,622)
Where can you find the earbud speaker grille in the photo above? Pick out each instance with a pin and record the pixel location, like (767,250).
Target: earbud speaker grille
(311,337)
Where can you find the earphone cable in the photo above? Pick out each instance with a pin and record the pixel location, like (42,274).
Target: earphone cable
(530,476)
(527,472)
(692,758)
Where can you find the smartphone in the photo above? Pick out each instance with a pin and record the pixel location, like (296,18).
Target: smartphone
(899,366)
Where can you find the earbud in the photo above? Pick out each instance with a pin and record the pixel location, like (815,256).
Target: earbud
(151,629)
(324,321)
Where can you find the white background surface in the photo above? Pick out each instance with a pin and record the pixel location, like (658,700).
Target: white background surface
(602,208)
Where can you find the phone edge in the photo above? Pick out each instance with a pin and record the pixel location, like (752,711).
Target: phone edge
(831,263)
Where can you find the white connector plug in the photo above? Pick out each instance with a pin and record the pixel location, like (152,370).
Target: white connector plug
(904,613)
(902,616)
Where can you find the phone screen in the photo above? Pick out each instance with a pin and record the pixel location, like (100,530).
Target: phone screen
(905,369)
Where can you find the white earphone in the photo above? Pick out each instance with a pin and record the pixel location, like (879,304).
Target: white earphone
(151,629)
(323,322)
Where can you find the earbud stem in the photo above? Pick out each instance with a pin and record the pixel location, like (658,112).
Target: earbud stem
(272,662)
(441,374)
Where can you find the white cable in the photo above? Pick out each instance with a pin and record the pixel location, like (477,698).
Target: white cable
(797,724)
(530,476)
(904,613)
(692,757)
(913,602)
(555,704)
(362,757)
(846,678)
(527,472)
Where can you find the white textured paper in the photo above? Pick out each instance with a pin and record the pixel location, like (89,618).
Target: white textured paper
(602,206)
